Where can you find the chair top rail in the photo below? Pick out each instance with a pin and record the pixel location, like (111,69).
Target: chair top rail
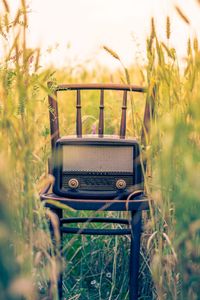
(102,86)
(78,87)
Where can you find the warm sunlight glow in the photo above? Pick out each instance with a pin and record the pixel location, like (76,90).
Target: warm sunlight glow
(73,31)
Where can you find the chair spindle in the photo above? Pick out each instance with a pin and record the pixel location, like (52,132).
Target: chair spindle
(78,115)
(123,117)
(101,114)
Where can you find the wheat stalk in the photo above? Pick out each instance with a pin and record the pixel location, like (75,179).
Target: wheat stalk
(196,44)
(168,27)
(153,30)
(5,3)
(189,49)
(182,15)
(111,52)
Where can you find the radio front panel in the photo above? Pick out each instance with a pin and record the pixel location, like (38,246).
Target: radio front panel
(96,181)
(97,158)
(103,168)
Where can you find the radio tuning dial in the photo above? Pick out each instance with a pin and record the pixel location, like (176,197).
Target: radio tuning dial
(73,183)
(121,184)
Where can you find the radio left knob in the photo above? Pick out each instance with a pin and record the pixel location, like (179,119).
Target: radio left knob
(73,183)
(121,184)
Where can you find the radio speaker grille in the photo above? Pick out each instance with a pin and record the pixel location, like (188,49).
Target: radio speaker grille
(97,158)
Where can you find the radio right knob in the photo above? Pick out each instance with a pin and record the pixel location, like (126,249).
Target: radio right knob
(73,183)
(120,184)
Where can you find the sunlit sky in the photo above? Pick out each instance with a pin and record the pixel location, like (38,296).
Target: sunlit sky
(77,29)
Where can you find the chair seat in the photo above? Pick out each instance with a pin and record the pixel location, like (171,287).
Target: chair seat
(140,202)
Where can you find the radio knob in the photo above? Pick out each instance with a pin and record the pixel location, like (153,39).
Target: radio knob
(73,183)
(121,184)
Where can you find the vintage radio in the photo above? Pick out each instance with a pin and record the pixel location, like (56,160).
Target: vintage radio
(102,167)
(91,167)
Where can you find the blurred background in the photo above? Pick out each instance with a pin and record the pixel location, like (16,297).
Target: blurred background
(73,31)
(149,43)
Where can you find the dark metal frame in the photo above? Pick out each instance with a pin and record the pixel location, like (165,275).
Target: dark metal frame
(136,203)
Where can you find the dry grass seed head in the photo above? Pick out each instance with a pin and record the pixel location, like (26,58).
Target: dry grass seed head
(196,44)
(111,52)
(5,3)
(153,30)
(189,49)
(182,15)
(168,27)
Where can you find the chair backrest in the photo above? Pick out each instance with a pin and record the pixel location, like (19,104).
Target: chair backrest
(54,117)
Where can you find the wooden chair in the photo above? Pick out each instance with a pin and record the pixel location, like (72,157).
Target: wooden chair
(135,202)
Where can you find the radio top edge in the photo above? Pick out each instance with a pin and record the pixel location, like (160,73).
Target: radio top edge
(96,138)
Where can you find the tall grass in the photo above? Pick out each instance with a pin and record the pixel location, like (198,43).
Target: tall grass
(172,154)
(22,148)
(170,251)
(175,164)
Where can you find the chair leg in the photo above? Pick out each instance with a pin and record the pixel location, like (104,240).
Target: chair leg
(59,214)
(60,278)
(136,222)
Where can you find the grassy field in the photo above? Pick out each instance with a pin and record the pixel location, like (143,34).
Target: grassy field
(97,268)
